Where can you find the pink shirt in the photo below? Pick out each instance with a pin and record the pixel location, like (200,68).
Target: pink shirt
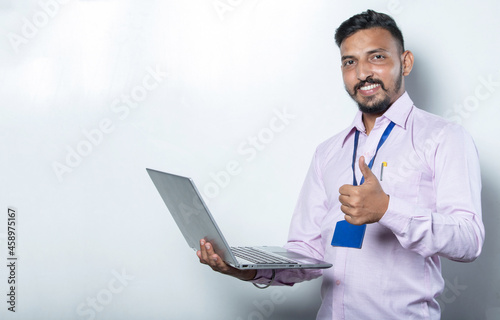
(433,179)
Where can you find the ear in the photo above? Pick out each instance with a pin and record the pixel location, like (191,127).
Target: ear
(407,61)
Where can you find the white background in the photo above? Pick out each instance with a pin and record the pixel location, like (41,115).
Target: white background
(87,210)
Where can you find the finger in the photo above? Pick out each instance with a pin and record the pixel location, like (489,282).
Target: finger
(347,218)
(198,253)
(219,265)
(346,189)
(345,209)
(352,200)
(207,256)
(203,251)
(215,261)
(349,210)
(351,219)
(365,170)
(211,257)
(209,249)
(344,200)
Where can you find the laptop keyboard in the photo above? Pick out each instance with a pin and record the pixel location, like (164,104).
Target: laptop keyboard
(259,257)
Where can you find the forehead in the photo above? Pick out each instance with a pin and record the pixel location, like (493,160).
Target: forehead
(368,40)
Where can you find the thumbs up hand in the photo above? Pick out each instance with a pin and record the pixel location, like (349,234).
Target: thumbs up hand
(366,203)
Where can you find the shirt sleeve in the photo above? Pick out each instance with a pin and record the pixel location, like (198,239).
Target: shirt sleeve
(454,229)
(305,230)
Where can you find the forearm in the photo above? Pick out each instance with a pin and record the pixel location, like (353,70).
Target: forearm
(457,234)
(245,275)
(286,277)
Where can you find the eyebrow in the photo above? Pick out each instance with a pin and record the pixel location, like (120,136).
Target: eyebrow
(347,57)
(377,50)
(369,52)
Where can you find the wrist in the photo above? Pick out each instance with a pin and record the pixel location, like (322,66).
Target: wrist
(386,205)
(382,207)
(247,275)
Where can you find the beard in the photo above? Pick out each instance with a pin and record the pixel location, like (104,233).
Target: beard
(374,105)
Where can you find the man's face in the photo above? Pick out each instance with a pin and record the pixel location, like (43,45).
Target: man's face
(372,69)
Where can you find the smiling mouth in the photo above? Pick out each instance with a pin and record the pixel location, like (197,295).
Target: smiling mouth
(369,89)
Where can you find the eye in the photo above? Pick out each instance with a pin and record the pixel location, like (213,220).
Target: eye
(378,57)
(348,63)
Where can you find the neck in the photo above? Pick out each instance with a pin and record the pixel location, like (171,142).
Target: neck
(370,118)
(369,121)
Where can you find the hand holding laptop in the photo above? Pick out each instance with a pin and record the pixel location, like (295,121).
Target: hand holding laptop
(207,255)
(194,220)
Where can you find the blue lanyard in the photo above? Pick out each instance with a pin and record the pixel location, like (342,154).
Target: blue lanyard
(370,165)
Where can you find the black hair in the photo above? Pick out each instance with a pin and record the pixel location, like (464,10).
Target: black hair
(367,20)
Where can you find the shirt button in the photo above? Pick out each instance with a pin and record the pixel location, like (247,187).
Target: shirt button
(337,282)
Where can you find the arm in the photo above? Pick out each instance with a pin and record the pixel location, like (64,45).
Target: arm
(454,229)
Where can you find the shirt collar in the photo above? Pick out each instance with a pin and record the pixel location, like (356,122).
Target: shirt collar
(397,113)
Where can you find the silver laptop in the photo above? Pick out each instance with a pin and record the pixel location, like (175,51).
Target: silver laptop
(195,222)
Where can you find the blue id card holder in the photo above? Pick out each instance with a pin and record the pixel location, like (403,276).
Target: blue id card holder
(348,235)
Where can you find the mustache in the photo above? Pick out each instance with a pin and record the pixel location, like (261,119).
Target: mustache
(370,81)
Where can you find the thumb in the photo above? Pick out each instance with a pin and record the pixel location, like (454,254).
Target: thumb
(365,170)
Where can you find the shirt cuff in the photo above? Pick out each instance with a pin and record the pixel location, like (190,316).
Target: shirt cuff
(263,276)
(398,215)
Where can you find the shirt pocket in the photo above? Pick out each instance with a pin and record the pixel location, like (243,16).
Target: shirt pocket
(401,182)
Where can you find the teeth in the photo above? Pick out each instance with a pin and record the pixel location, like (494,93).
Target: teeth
(372,86)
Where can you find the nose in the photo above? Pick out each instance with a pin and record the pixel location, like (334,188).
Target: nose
(363,70)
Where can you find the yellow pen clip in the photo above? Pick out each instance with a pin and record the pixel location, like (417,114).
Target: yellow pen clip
(384,164)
